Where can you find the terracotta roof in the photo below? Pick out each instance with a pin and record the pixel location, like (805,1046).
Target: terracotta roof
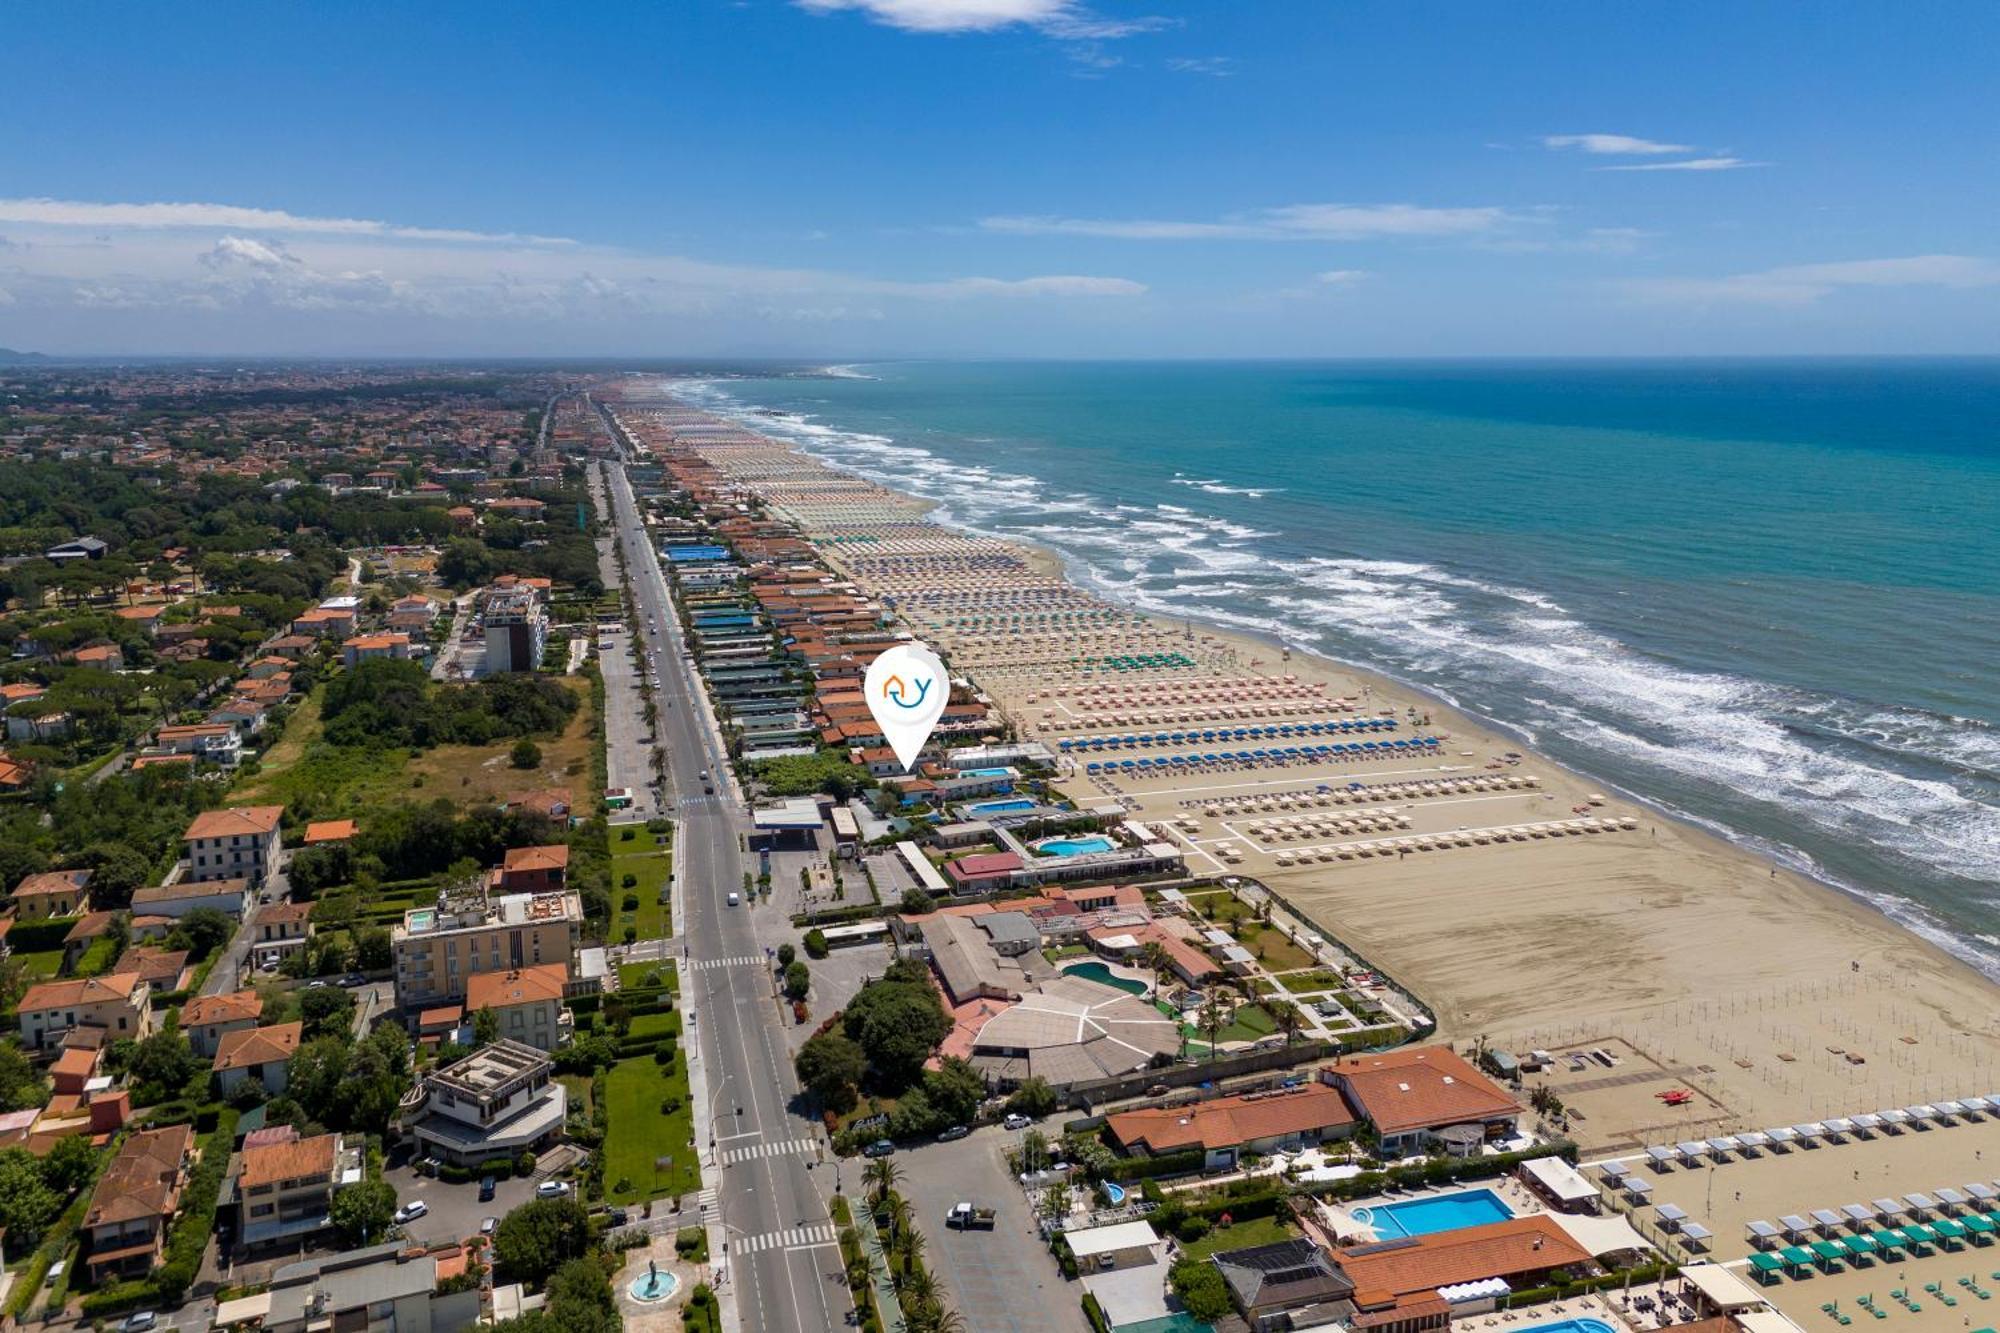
(1424,1087)
(143,1180)
(1422,1264)
(288,1161)
(331,830)
(76,991)
(1227,1122)
(230,1008)
(257,1046)
(160,967)
(243,820)
(77,1062)
(280,914)
(554,857)
(524,985)
(52,881)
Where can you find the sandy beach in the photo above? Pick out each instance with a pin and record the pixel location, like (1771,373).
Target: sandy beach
(1462,868)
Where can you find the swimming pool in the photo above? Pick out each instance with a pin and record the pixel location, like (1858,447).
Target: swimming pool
(1570,1326)
(1446,1212)
(998,807)
(1103,975)
(1074,846)
(987,773)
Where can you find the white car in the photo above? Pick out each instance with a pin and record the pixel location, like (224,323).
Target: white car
(411,1211)
(552,1189)
(1016,1121)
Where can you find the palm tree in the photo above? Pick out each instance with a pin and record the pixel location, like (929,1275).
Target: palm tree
(899,1219)
(1155,955)
(935,1319)
(882,1176)
(1290,1021)
(1212,1019)
(918,1289)
(913,1246)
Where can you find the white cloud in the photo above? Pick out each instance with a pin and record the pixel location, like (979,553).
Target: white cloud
(1688,164)
(1802,284)
(1295,222)
(127,257)
(1217,67)
(1057,18)
(1340,277)
(72,213)
(1612,144)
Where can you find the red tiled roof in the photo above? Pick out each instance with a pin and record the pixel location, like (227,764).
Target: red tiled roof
(1228,1122)
(1424,1087)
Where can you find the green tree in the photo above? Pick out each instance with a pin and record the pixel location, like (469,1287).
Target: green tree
(21,1086)
(955,1088)
(485,1027)
(27,1204)
(525,754)
(1200,1286)
(539,1237)
(161,1066)
(916,902)
(362,1213)
(326,1011)
(201,932)
(798,980)
(70,1164)
(831,1067)
(1034,1097)
(898,1021)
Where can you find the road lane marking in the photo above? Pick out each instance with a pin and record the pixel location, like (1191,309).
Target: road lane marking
(791,1238)
(780,1148)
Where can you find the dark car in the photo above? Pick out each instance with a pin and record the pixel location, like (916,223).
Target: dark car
(879,1148)
(486,1188)
(955,1132)
(619,1217)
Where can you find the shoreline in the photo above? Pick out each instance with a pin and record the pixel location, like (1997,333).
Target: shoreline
(1647,938)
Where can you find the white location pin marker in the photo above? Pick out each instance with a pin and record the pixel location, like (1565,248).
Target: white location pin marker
(907,690)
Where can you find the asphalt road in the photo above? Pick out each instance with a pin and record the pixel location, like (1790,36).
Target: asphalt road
(781,1257)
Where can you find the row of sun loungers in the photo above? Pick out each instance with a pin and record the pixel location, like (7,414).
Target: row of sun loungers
(1324,797)
(1211,736)
(1437,842)
(1291,830)
(1840,1129)
(1220,759)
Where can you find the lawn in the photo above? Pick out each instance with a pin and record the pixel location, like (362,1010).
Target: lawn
(1238,1236)
(1273,950)
(1221,907)
(1250,1022)
(647,1025)
(579,1090)
(651,866)
(346,781)
(42,965)
(1319,979)
(639,1136)
(637,976)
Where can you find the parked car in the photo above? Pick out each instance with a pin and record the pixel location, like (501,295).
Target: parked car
(139,1319)
(955,1132)
(618,1217)
(411,1211)
(488,1225)
(879,1148)
(486,1187)
(1017,1121)
(552,1189)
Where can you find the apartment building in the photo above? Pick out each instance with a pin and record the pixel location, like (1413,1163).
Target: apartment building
(527,1001)
(284,1190)
(474,930)
(135,1202)
(237,843)
(499,1101)
(119,1005)
(517,630)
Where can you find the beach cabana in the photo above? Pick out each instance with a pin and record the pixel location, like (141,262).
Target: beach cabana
(1753,1141)
(1695,1235)
(1721,1146)
(1637,1188)
(1613,1172)
(1809,1133)
(1980,1226)
(1977,1105)
(1796,1227)
(1921,1116)
(1888,1208)
(1828,1253)
(1671,1214)
(1781,1137)
(1949,1198)
(1949,1230)
(1867,1123)
(1950,1110)
(1857,1213)
(1860,1246)
(1920,1204)
(1887,1240)
(1838,1128)
(1917,1234)
(1894,1119)
(1826,1219)
(1796,1256)
(1982,1192)
(1692,1150)
(1762,1235)
(1767,1266)
(1662,1156)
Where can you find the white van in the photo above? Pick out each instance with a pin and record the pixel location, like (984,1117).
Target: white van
(734,897)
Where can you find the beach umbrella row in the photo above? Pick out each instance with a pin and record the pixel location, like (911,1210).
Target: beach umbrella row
(1365,750)
(1212,735)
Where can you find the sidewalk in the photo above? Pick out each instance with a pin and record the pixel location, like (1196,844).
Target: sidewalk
(886,1303)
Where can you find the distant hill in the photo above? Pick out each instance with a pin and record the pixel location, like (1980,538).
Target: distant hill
(10,357)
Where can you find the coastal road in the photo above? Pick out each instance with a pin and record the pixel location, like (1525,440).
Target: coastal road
(762,1158)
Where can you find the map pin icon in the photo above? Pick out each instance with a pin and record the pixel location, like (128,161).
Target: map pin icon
(907,690)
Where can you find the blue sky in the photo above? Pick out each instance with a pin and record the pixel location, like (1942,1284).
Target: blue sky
(855,178)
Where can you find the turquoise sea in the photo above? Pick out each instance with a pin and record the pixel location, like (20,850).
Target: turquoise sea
(1763,594)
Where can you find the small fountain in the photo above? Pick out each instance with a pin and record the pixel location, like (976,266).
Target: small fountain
(655,1286)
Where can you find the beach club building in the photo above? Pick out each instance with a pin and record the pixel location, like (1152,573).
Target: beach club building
(1225,1129)
(1404,1285)
(1424,1094)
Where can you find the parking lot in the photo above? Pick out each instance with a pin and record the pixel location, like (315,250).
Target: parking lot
(455,1210)
(1000,1281)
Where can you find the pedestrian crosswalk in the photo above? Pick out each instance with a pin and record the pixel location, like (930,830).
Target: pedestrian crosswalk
(779,1148)
(707,1201)
(705,964)
(792,1238)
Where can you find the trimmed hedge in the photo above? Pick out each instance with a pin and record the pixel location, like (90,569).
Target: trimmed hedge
(1095,1314)
(1142,1168)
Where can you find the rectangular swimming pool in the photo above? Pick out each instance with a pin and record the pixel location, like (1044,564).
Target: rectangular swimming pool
(1446,1212)
(999,807)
